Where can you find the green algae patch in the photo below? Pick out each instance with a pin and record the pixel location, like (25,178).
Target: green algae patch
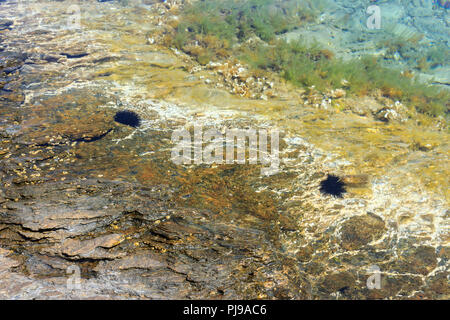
(232,20)
(216,30)
(307,66)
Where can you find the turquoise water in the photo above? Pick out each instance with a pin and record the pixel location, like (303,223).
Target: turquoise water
(406,34)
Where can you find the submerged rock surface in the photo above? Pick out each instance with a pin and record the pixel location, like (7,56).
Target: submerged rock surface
(82,192)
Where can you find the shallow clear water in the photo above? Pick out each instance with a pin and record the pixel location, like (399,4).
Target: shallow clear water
(57,118)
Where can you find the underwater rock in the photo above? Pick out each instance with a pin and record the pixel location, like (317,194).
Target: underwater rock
(338,93)
(360,230)
(5,24)
(338,282)
(128,118)
(11,61)
(105,230)
(387,114)
(356,180)
(420,260)
(140,227)
(74,55)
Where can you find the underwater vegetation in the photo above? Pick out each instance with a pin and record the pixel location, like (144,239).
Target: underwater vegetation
(235,20)
(218,25)
(128,118)
(333,186)
(406,47)
(311,66)
(213,30)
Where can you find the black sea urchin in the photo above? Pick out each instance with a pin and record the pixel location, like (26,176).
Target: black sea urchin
(332,185)
(128,118)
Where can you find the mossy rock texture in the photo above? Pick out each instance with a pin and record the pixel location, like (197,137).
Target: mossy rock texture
(358,231)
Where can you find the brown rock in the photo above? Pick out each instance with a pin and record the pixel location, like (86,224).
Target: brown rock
(422,260)
(358,231)
(85,248)
(144,260)
(337,282)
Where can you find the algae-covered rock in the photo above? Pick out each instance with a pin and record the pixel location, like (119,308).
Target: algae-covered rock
(358,231)
(419,260)
(338,282)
